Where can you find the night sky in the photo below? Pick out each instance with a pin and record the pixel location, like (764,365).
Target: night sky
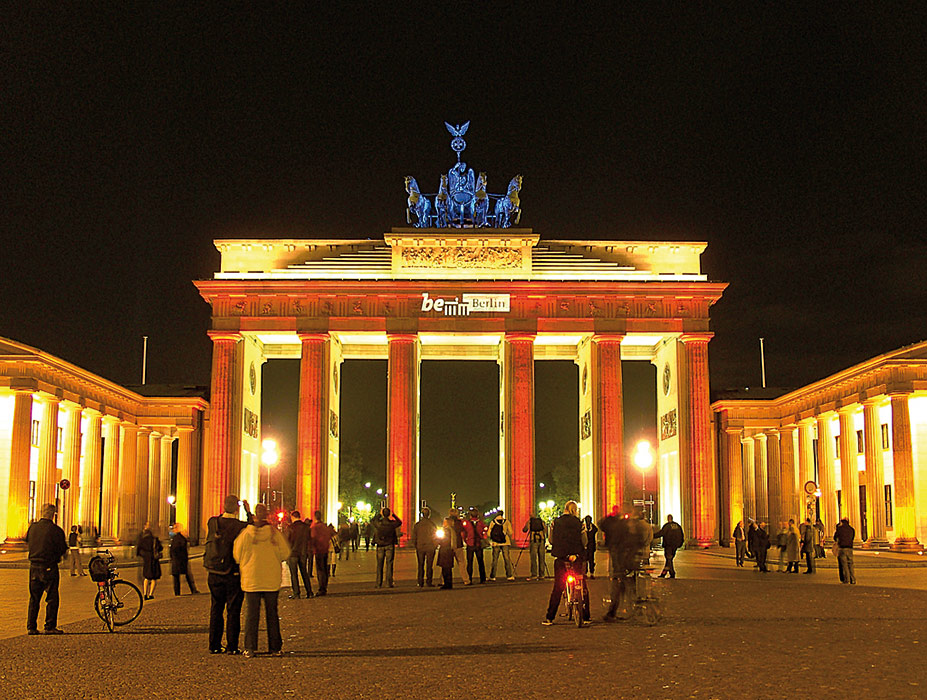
(792,142)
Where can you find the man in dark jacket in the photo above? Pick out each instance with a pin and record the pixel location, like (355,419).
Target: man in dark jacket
(807,544)
(843,537)
(760,547)
(225,588)
(625,546)
(180,560)
(474,534)
(385,526)
(568,546)
(320,544)
(537,544)
(297,534)
(425,541)
(47,546)
(673,539)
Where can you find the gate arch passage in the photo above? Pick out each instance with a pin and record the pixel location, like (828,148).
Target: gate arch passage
(498,294)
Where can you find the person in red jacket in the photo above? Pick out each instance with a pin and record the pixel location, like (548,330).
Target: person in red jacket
(320,541)
(474,533)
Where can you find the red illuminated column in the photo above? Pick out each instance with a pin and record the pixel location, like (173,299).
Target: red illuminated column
(402,430)
(518,426)
(904,521)
(312,446)
(219,482)
(607,425)
(697,476)
(17,505)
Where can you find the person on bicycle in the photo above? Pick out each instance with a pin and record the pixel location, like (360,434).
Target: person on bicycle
(568,546)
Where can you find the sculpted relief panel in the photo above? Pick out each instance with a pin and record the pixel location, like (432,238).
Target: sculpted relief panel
(439,257)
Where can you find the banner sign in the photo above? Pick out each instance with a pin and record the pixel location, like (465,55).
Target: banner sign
(467,304)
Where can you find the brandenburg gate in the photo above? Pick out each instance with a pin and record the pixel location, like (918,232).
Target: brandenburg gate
(462,281)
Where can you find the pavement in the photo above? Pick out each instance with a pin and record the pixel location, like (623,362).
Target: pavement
(728,632)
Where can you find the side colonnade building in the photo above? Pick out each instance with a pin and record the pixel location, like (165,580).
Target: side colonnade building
(120,454)
(853,445)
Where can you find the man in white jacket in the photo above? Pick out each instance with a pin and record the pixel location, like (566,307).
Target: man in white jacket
(500,536)
(260,550)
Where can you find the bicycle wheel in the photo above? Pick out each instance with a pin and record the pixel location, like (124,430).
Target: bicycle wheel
(127,602)
(650,612)
(577,612)
(104,606)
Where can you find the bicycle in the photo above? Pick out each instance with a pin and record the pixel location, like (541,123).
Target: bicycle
(574,595)
(641,602)
(117,602)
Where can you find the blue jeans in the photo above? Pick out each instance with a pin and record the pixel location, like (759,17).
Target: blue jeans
(253,617)
(536,551)
(385,555)
(43,580)
(845,562)
(506,559)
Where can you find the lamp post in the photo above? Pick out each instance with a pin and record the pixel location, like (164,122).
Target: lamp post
(643,459)
(269,458)
(173,501)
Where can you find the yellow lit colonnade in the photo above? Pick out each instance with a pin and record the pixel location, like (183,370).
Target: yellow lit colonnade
(114,449)
(853,445)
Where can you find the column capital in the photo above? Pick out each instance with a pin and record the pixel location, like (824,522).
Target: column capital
(899,393)
(874,401)
(734,431)
(313,337)
(144,431)
(760,437)
(519,337)
(184,428)
(848,410)
(50,399)
(402,337)
(696,337)
(603,338)
(790,428)
(216,336)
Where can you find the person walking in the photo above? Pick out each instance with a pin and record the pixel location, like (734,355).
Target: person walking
(368,535)
(448,540)
(424,541)
(385,526)
(260,550)
(47,547)
(537,546)
(74,543)
(320,542)
(474,534)
(355,535)
(149,548)
(591,531)
(760,547)
(673,539)
(819,551)
(180,560)
(782,537)
(792,547)
(297,535)
(843,539)
(500,539)
(224,577)
(808,546)
(344,541)
(568,545)
(740,543)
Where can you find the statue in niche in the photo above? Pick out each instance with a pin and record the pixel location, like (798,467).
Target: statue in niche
(441,203)
(416,204)
(508,208)
(480,202)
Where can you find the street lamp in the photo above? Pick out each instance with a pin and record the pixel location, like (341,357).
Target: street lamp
(172,500)
(269,459)
(643,459)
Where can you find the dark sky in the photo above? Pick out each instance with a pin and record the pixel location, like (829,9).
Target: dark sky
(793,142)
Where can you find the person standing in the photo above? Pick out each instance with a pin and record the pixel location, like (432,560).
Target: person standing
(425,542)
(474,534)
(843,539)
(385,526)
(448,539)
(673,539)
(567,541)
(344,540)
(297,535)
(591,531)
(224,579)
(368,535)
(47,547)
(74,548)
(149,548)
(782,541)
(320,542)
(500,538)
(624,546)
(459,547)
(760,547)
(537,546)
(260,550)
(808,546)
(740,543)
(819,551)
(180,560)
(355,535)
(792,547)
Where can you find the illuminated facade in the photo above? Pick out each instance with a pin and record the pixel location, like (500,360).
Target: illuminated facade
(112,446)
(862,431)
(470,293)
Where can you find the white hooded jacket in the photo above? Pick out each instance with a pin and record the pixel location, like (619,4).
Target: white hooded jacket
(259,552)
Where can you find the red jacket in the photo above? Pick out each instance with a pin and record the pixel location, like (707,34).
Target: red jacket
(474,531)
(320,538)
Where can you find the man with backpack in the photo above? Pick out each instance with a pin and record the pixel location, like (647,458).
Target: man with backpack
(500,537)
(224,578)
(385,526)
(537,544)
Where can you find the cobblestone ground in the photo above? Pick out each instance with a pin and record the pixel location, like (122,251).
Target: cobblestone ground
(727,633)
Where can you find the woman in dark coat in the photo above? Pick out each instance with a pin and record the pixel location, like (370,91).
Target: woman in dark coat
(149,549)
(180,556)
(448,540)
(590,529)
(760,545)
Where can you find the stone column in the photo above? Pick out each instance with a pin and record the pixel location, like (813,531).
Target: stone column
(826,476)
(48,455)
(733,451)
(164,506)
(789,505)
(185,491)
(17,510)
(805,461)
(607,425)
(225,422)
(70,500)
(762,481)
(142,450)
(517,402)
(902,459)
(127,528)
(109,511)
(697,473)
(875,475)
(774,492)
(154,482)
(749,478)
(402,427)
(849,471)
(90,478)
(312,443)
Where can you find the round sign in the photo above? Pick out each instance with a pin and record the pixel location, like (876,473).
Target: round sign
(810,487)
(64,484)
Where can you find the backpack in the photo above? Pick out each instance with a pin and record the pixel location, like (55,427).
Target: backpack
(217,556)
(98,568)
(496,533)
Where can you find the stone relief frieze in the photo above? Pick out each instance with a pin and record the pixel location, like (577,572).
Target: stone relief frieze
(486,258)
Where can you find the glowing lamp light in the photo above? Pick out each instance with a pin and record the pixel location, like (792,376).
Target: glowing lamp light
(542,505)
(340,505)
(379,492)
(643,455)
(550,504)
(280,515)
(171,499)
(541,484)
(270,456)
(570,579)
(360,505)
(439,533)
(367,485)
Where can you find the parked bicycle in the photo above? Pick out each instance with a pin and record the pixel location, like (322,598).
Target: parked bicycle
(117,601)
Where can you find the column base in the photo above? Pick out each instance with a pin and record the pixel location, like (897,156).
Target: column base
(701,543)
(906,544)
(876,543)
(16,544)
